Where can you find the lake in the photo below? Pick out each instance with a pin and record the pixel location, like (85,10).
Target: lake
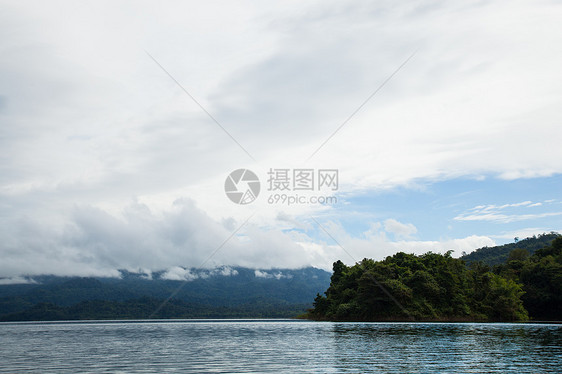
(280,346)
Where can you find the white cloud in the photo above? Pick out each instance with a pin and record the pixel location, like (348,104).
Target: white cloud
(495,213)
(375,244)
(179,273)
(523,203)
(400,230)
(225,271)
(17,280)
(93,242)
(269,72)
(525,233)
(184,274)
(277,275)
(262,274)
(88,123)
(504,218)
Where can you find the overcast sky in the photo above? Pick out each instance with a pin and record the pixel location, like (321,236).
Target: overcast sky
(107,163)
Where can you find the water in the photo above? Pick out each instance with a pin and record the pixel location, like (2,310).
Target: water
(265,346)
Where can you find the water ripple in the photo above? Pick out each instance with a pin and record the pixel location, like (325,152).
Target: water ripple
(266,346)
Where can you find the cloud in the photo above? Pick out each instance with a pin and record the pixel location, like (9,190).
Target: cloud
(184,274)
(17,280)
(400,230)
(504,218)
(525,233)
(281,81)
(277,275)
(523,203)
(375,244)
(494,213)
(262,274)
(91,241)
(225,271)
(89,123)
(179,273)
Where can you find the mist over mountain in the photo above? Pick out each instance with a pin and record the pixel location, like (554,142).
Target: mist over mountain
(221,292)
(194,293)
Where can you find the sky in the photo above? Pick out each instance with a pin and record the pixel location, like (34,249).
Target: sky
(120,123)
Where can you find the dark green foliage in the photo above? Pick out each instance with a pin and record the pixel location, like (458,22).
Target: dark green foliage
(541,275)
(144,307)
(427,287)
(440,288)
(498,255)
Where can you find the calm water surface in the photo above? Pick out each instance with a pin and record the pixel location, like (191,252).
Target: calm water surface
(264,346)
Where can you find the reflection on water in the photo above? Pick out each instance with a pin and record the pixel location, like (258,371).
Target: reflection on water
(422,348)
(257,346)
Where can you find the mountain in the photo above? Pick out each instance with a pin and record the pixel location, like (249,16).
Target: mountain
(223,292)
(497,255)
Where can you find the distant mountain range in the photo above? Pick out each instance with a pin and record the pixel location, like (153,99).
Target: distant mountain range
(225,292)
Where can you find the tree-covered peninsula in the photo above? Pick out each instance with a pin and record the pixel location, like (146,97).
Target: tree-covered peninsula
(435,287)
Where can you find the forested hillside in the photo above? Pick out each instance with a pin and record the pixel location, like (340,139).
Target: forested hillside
(218,293)
(499,254)
(441,288)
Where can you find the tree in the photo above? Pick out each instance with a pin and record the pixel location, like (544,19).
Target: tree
(427,287)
